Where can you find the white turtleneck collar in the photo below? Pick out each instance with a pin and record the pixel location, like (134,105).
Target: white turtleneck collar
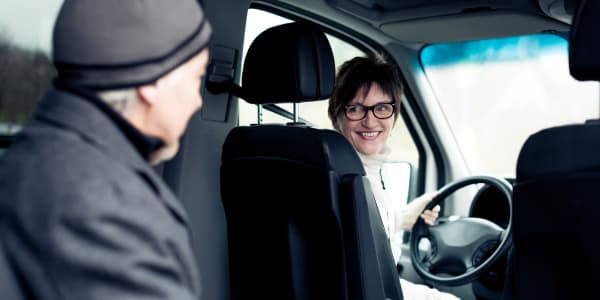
(373,162)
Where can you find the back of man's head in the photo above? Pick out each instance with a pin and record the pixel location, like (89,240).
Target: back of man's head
(112,44)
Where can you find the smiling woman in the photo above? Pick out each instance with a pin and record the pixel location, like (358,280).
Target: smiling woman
(315,113)
(495,93)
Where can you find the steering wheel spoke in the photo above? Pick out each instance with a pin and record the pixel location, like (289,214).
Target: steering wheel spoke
(460,250)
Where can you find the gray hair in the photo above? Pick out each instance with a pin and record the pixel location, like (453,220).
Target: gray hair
(120,100)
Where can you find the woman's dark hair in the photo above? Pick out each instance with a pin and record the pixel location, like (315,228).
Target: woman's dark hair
(364,71)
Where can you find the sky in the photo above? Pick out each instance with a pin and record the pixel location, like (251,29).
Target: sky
(29,23)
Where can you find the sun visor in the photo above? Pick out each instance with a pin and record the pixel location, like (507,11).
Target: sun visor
(584,45)
(562,10)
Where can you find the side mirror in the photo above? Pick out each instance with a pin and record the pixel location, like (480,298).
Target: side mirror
(397,176)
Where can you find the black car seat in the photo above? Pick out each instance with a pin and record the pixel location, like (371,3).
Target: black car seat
(301,220)
(556,254)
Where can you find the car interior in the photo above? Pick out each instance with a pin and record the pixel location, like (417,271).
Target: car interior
(499,115)
(559,167)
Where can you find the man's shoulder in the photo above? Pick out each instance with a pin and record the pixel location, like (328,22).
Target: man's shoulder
(43,156)
(49,145)
(51,174)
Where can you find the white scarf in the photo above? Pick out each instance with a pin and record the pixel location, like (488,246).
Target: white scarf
(373,167)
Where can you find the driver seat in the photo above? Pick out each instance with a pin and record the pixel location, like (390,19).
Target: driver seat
(556,252)
(301,219)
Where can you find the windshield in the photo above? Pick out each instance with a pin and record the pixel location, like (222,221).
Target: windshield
(495,93)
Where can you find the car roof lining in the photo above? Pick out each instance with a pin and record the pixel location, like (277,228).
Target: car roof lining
(435,21)
(467,27)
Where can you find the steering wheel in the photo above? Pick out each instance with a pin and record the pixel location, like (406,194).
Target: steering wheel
(461,250)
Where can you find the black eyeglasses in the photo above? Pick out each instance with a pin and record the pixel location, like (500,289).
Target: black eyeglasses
(357,112)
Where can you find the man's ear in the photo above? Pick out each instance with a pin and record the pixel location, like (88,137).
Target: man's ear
(148,93)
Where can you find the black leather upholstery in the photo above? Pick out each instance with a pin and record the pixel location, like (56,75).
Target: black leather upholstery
(289,63)
(302,223)
(555,251)
(584,45)
(371,268)
(555,215)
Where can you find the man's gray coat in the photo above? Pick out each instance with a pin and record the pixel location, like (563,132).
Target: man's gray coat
(84,216)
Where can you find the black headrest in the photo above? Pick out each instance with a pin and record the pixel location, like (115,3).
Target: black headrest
(584,45)
(560,151)
(289,63)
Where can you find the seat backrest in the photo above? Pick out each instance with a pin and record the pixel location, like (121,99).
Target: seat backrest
(301,219)
(555,221)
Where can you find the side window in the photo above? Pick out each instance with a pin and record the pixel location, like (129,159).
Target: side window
(313,112)
(403,147)
(26,70)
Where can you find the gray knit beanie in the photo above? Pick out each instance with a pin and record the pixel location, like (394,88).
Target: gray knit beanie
(105,44)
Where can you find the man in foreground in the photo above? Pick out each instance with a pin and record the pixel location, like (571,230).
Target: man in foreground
(83,214)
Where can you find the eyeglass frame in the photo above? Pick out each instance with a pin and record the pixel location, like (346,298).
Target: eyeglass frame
(370,108)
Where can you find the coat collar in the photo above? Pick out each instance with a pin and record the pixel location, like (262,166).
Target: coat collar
(98,128)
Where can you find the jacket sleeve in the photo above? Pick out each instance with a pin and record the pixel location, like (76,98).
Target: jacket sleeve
(408,215)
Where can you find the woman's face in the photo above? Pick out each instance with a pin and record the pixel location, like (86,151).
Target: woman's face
(369,135)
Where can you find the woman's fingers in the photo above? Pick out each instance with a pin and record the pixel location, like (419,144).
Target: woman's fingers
(430,216)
